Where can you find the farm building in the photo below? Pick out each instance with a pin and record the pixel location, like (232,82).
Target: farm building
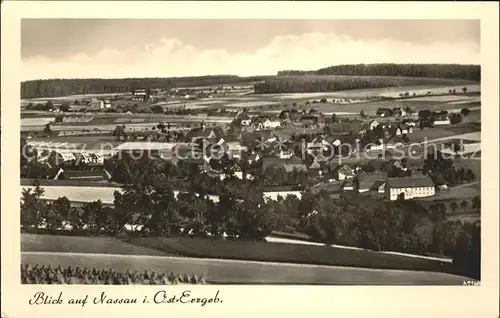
(310,120)
(384,112)
(409,187)
(78,108)
(57,158)
(73,119)
(140,95)
(289,165)
(343,172)
(367,182)
(348,185)
(197,134)
(87,175)
(87,158)
(398,111)
(374,123)
(254,157)
(404,129)
(441,120)
(235,149)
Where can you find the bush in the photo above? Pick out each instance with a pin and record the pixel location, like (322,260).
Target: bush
(56,275)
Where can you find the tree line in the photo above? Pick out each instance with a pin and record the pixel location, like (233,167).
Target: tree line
(63,87)
(451,71)
(312,84)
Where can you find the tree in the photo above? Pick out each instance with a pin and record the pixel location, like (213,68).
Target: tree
(92,216)
(362,114)
(64,107)
(455,118)
(465,111)
(470,176)
(464,89)
(464,204)
(476,202)
(47,130)
(157,109)
(61,211)
(453,206)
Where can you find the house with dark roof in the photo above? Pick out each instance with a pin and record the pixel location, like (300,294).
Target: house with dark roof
(409,187)
(311,120)
(329,187)
(366,182)
(348,185)
(289,165)
(384,112)
(197,134)
(343,172)
(404,129)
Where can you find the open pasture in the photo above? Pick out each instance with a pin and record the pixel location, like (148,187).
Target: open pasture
(30,122)
(79,194)
(77,142)
(448,98)
(87,193)
(466,192)
(256,103)
(370,107)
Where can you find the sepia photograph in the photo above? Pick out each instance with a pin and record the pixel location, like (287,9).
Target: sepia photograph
(255,152)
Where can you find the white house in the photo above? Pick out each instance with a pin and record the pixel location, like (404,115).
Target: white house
(442,121)
(286,153)
(104,103)
(373,124)
(271,124)
(344,172)
(409,188)
(404,129)
(246,122)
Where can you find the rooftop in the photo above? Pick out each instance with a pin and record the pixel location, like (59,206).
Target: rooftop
(410,182)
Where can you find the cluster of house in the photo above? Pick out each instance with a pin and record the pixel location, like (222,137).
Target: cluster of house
(62,157)
(391,112)
(262,122)
(378,184)
(68,163)
(73,119)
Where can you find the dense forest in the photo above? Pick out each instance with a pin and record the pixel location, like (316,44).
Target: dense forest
(64,87)
(452,71)
(363,76)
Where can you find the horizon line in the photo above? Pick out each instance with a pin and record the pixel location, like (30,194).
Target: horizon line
(244,76)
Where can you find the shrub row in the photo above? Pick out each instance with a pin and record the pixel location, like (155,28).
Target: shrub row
(56,275)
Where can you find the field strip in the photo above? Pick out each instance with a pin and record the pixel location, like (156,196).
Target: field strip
(237,271)
(292,241)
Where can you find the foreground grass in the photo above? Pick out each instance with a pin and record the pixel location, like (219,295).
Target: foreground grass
(241,264)
(287,253)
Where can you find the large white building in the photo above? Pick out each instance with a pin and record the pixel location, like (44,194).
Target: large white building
(409,188)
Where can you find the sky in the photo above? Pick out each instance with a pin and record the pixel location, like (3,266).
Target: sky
(107,48)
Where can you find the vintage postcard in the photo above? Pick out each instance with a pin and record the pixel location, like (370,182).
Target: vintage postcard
(217,161)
